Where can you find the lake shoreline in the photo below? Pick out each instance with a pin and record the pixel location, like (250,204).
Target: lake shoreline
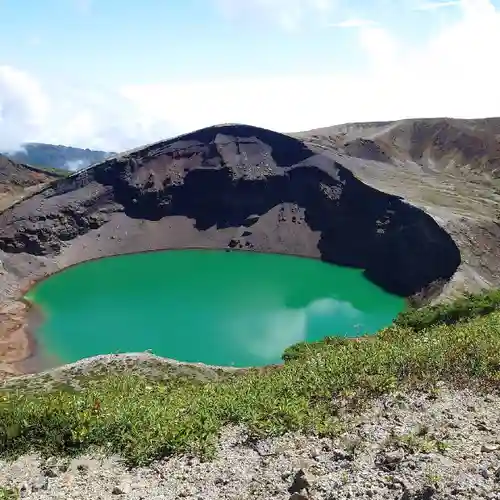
(30,360)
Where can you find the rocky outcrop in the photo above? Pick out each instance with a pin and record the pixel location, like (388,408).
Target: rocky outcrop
(234,186)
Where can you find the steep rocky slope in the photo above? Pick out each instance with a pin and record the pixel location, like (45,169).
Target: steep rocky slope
(406,446)
(447,167)
(17,180)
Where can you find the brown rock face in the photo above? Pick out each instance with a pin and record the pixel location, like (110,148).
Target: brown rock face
(18,180)
(16,174)
(233,186)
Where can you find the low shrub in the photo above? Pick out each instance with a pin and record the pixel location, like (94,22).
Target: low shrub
(465,308)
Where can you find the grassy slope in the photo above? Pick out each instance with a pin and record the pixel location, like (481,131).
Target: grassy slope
(142,419)
(8,494)
(57,172)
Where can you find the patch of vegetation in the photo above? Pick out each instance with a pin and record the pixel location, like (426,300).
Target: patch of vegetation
(8,493)
(467,307)
(419,441)
(76,378)
(143,419)
(60,172)
(306,349)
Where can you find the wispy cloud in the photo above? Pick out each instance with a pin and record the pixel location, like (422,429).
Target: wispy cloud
(83,6)
(437,5)
(75,165)
(354,22)
(24,107)
(289,14)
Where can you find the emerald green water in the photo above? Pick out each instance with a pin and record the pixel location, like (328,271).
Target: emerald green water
(221,308)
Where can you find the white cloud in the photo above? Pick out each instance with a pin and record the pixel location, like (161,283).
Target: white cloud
(23,107)
(354,22)
(380,46)
(289,14)
(451,75)
(106,121)
(437,5)
(75,165)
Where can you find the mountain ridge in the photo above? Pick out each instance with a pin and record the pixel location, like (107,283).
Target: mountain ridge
(434,143)
(57,156)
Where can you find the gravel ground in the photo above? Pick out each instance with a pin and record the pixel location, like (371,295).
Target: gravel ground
(443,445)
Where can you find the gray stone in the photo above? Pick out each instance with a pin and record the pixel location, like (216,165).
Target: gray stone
(394,457)
(49,471)
(489,448)
(390,460)
(123,489)
(485,473)
(24,490)
(42,483)
(341,455)
(82,468)
(497,475)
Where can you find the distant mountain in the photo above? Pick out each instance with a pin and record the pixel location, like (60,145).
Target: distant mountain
(58,157)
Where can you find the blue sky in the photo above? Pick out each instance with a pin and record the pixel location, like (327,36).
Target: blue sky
(181,39)
(115,74)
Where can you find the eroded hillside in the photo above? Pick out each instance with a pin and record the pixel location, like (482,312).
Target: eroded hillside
(449,168)
(18,180)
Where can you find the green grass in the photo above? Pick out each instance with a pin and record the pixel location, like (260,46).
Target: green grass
(8,493)
(462,309)
(61,172)
(142,419)
(417,319)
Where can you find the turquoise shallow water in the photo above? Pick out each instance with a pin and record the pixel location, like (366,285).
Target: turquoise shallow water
(222,308)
